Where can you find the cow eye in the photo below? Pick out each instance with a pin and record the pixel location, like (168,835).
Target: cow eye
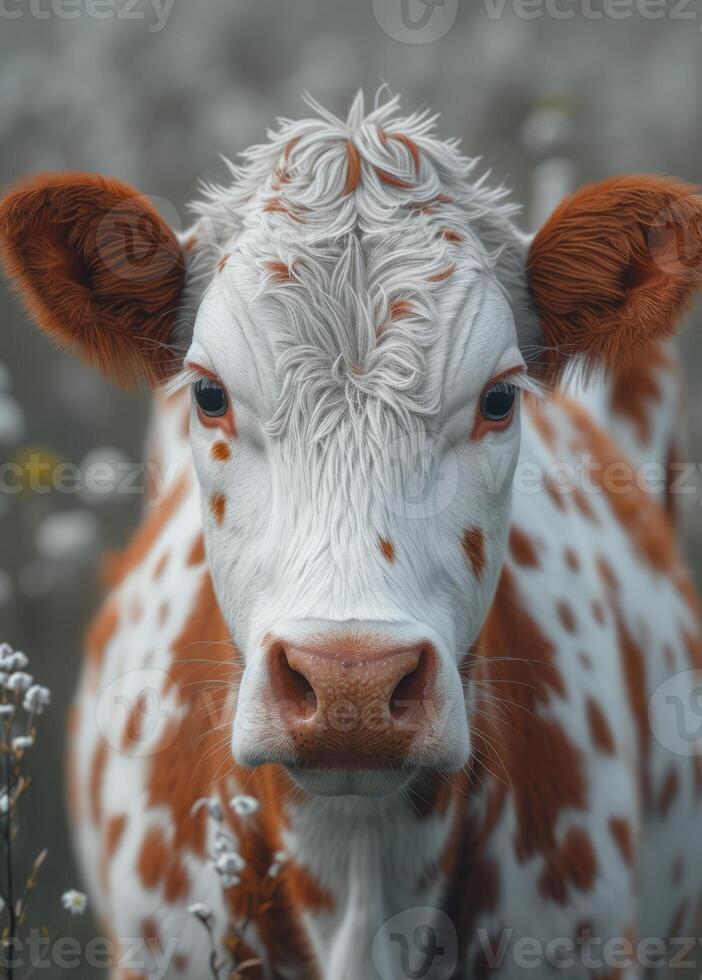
(211,397)
(497,402)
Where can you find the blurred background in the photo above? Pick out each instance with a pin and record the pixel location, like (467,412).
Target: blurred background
(153,93)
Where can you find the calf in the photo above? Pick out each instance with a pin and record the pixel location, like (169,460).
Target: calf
(370,687)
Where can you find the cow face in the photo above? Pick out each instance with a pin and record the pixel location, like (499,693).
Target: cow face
(355,469)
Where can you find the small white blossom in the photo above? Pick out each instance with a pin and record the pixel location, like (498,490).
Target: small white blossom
(22,742)
(36,699)
(201,911)
(244,806)
(74,902)
(230,863)
(19,681)
(6,709)
(279,859)
(4,803)
(17,661)
(214,807)
(223,844)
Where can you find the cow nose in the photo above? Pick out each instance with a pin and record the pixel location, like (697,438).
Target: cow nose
(352,700)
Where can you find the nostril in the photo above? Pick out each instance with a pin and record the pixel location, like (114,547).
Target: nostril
(407,700)
(293,688)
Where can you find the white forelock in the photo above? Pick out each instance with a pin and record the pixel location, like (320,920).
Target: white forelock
(358,228)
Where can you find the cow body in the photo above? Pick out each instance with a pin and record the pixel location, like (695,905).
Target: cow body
(573,822)
(397,678)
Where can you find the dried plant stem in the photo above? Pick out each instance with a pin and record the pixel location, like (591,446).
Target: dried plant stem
(8,864)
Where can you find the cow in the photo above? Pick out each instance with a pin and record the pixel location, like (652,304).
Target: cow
(389,681)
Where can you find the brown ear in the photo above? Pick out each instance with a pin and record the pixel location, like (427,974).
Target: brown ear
(614,268)
(98,269)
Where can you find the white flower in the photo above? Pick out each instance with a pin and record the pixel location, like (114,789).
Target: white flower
(201,912)
(6,709)
(230,863)
(19,681)
(279,859)
(229,881)
(17,661)
(36,699)
(22,742)
(4,803)
(214,807)
(74,902)
(244,806)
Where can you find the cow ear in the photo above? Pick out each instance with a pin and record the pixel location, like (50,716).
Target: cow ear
(98,269)
(614,268)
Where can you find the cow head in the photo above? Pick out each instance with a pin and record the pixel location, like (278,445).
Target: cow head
(364,319)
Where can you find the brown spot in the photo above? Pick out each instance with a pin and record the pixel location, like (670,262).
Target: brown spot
(218,506)
(443,274)
(644,521)
(154,855)
(222,262)
(571,560)
(400,308)
(598,611)
(609,579)
(573,864)
(197,552)
(407,142)
(220,451)
(542,423)
(679,920)
(567,616)
(554,491)
(583,505)
(353,168)
(392,180)
(474,549)
(275,205)
(161,565)
(669,656)
(149,932)
(585,660)
(159,864)
(669,791)
(163,611)
(511,737)
(522,548)
(620,830)
(635,390)
(280,271)
(180,962)
(97,776)
(114,832)
(635,677)
(600,731)
(451,236)
(387,549)
(138,721)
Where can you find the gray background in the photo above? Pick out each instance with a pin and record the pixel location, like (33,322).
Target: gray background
(157,107)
